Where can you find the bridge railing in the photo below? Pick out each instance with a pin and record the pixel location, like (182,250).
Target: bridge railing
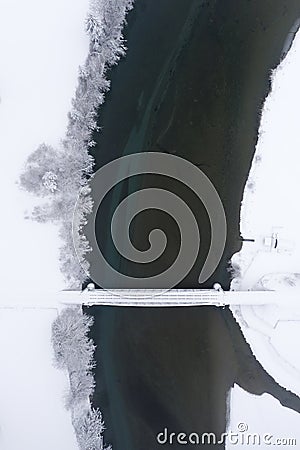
(178,297)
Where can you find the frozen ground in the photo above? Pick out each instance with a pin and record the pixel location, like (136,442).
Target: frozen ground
(32,414)
(263,416)
(41,46)
(270,214)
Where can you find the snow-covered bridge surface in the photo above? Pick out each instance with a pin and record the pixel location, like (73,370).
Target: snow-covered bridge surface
(177,297)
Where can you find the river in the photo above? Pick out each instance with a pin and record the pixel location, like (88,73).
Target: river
(192,84)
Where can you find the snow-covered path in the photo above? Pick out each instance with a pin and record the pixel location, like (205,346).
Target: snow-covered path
(42,45)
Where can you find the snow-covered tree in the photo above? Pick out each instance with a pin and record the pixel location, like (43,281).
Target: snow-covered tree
(82,385)
(73,349)
(44,160)
(90,430)
(94,29)
(50,181)
(60,175)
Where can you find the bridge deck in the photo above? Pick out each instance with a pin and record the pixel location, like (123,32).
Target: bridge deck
(178,297)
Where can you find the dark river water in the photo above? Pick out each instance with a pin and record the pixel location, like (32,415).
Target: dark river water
(192,84)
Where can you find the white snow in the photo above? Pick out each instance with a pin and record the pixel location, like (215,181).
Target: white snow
(262,415)
(270,214)
(42,45)
(32,414)
(270,209)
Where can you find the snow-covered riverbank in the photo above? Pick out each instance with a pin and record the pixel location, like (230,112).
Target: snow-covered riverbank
(270,214)
(39,59)
(260,421)
(56,62)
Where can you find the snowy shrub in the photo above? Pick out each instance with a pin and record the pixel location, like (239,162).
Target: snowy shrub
(234,270)
(251,186)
